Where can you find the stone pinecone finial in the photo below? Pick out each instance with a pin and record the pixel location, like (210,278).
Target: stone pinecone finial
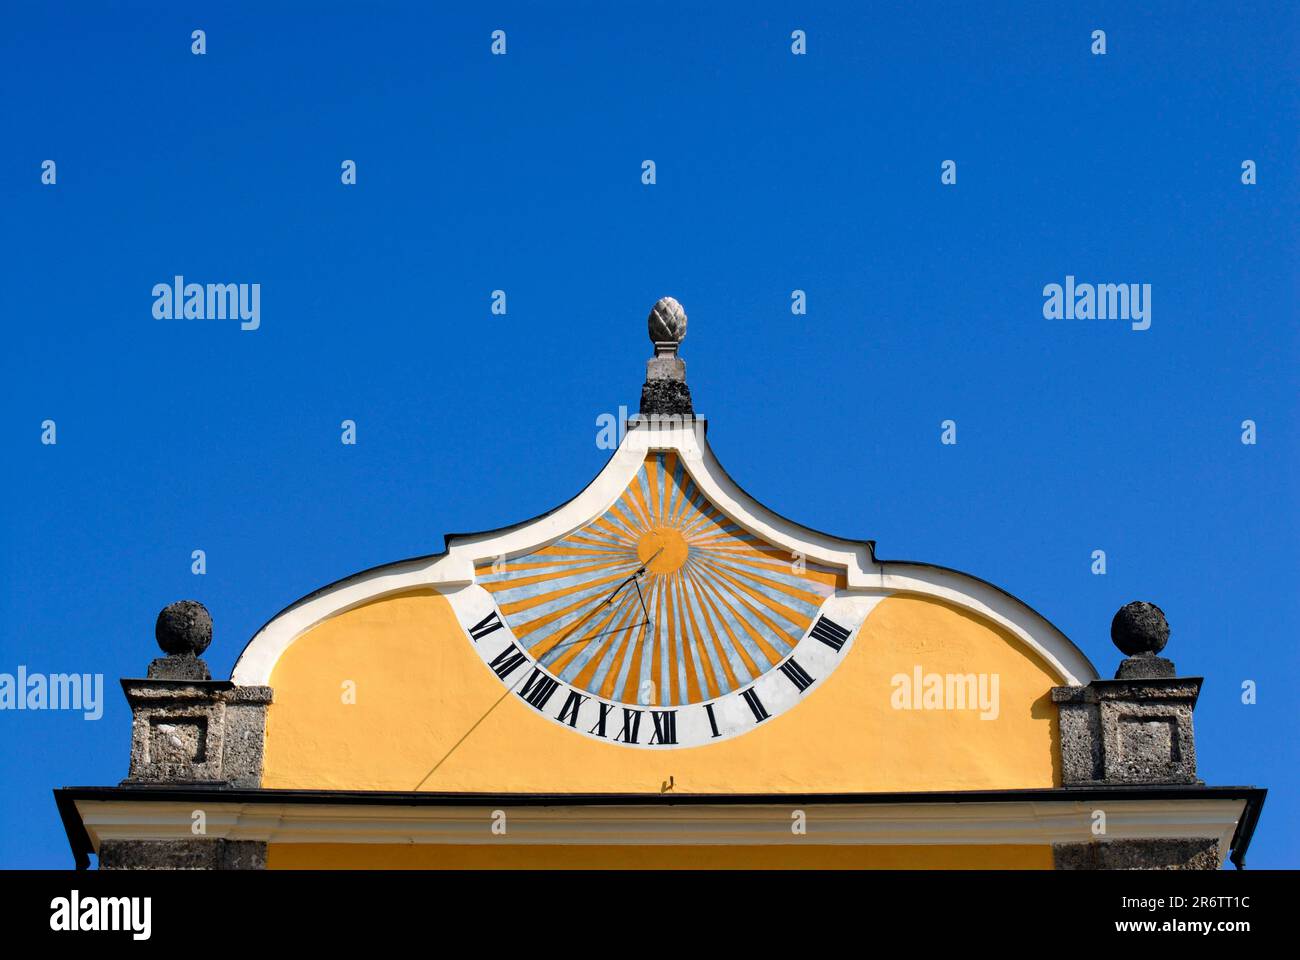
(667,321)
(665,392)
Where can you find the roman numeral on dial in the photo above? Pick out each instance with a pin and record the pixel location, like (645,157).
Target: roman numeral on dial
(605,710)
(507,661)
(797,674)
(485,626)
(830,633)
(713,720)
(538,688)
(631,725)
(665,726)
(755,705)
(569,712)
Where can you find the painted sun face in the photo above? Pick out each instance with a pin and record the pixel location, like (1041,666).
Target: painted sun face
(663,606)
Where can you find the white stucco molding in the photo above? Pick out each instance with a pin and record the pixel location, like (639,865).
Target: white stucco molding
(687,438)
(954,823)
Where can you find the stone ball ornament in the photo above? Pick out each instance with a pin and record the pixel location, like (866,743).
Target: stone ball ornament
(667,321)
(184,628)
(1139,628)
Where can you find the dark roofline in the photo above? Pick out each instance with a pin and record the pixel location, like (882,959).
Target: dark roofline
(449,538)
(79,840)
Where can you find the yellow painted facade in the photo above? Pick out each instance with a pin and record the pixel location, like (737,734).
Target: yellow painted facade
(429,715)
(379,856)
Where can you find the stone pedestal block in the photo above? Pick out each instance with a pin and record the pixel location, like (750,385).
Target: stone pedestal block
(1128,731)
(670,397)
(196,731)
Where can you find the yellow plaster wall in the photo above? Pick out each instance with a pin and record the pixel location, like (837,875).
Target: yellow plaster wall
(380,856)
(424,717)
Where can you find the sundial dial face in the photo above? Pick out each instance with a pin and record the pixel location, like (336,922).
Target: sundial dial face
(661,622)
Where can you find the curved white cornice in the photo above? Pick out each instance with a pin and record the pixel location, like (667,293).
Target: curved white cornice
(686,437)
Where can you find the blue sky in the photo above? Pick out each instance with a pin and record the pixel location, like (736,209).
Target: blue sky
(523,173)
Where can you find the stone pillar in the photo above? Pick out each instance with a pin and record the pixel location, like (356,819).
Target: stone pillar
(1196,853)
(194,854)
(1135,729)
(665,391)
(187,728)
(196,731)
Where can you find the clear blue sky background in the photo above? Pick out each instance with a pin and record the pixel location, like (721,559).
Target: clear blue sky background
(522,172)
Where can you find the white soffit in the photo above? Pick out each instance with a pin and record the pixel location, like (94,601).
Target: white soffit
(957,823)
